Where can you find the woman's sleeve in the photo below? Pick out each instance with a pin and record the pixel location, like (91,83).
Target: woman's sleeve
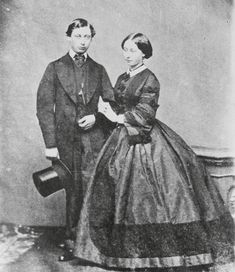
(139,120)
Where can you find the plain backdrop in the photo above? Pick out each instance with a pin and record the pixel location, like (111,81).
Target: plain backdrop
(192,60)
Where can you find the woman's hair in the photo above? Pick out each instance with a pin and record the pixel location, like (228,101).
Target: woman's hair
(77,23)
(142,43)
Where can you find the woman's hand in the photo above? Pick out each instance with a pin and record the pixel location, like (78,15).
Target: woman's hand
(105,108)
(102,106)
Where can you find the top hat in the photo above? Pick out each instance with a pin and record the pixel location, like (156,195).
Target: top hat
(52,179)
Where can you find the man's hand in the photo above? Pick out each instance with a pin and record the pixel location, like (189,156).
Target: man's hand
(52,153)
(87,122)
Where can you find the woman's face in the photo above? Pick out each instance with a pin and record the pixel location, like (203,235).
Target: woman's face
(132,54)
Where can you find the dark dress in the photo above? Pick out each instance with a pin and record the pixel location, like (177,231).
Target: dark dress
(150,202)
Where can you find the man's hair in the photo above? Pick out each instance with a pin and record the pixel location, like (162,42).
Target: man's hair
(77,23)
(142,43)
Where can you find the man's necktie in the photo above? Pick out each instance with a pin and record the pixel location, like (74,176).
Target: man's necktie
(79,59)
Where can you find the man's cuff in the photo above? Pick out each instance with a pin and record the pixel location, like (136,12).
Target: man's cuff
(51,152)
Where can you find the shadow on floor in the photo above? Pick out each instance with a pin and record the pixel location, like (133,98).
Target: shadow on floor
(33,249)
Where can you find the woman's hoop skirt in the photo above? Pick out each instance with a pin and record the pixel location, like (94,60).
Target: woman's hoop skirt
(153,205)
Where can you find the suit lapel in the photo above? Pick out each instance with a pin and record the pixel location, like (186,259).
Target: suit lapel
(92,78)
(65,72)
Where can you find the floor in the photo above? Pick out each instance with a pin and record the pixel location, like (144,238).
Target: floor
(28,249)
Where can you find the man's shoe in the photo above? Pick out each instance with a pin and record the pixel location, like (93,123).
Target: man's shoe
(61,245)
(67,256)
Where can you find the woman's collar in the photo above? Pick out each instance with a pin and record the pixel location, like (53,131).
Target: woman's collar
(136,71)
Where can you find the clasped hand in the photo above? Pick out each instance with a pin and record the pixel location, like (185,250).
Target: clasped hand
(87,122)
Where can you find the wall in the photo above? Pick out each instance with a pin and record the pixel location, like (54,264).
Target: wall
(192,53)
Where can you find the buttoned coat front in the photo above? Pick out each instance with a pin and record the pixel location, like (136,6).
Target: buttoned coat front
(59,109)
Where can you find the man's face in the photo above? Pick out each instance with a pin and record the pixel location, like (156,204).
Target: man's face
(80,39)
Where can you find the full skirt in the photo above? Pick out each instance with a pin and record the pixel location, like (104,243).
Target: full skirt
(153,205)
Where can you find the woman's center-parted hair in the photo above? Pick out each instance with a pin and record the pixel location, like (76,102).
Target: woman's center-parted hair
(142,42)
(77,23)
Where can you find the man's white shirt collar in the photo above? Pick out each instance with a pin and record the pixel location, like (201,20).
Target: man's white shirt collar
(72,54)
(136,71)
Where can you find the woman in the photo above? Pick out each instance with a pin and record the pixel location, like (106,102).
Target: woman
(150,202)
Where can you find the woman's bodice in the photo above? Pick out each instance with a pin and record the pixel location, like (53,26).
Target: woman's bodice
(130,90)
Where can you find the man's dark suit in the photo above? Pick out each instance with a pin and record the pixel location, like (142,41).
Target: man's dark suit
(59,107)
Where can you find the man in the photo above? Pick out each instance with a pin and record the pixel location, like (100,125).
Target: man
(67,105)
